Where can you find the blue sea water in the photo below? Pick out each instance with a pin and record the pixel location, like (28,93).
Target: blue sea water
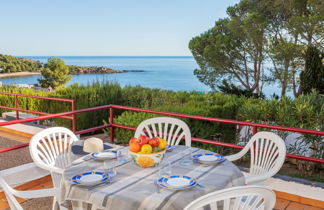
(165,72)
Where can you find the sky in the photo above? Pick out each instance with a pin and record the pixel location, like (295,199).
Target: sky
(105,27)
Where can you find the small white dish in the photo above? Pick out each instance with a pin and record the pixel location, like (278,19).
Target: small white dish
(105,155)
(176,182)
(208,158)
(90,178)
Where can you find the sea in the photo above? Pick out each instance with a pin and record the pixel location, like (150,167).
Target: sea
(164,72)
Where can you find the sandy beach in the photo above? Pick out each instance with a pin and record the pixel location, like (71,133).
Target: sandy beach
(18,74)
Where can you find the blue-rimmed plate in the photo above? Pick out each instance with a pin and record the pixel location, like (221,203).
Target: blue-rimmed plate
(90,178)
(105,154)
(176,182)
(169,148)
(208,158)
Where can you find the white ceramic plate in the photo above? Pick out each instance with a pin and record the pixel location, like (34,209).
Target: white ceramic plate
(208,158)
(104,154)
(176,182)
(90,178)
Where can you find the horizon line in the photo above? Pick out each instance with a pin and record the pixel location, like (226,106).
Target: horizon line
(101,55)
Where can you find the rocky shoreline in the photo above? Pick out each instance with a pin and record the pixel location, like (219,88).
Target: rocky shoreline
(14,65)
(97,70)
(85,70)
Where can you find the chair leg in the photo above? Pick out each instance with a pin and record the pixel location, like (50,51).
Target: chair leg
(55,204)
(79,205)
(63,207)
(94,207)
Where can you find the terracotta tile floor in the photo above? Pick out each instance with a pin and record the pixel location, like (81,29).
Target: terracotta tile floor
(282,204)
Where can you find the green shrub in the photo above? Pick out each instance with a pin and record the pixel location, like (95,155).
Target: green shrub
(132,119)
(306,111)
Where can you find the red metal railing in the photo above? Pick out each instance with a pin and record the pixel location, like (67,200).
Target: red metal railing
(112,126)
(17,109)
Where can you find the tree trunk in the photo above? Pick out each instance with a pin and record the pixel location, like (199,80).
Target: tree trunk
(285,80)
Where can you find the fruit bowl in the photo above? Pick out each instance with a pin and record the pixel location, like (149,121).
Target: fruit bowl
(147,160)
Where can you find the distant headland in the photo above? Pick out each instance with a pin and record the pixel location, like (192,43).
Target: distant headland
(11,66)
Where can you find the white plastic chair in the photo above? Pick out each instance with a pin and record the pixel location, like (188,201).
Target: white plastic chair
(268,152)
(51,150)
(170,129)
(236,198)
(11,193)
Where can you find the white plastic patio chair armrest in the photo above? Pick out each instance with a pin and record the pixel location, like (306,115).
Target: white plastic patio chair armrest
(235,156)
(256,179)
(35,193)
(57,170)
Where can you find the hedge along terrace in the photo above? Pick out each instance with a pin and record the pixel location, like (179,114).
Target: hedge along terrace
(306,111)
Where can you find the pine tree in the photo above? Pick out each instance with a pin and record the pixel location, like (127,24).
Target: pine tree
(54,74)
(313,75)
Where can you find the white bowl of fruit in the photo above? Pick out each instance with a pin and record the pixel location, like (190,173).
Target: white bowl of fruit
(147,152)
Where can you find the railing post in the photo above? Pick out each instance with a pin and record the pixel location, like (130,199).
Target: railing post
(111,121)
(73,117)
(17,107)
(254,130)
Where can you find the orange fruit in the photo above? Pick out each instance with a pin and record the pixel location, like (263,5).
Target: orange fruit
(134,147)
(146,149)
(145,161)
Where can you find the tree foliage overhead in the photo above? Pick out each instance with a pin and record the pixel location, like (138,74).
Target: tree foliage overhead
(55,73)
(260,41)
(11,64)
(232,50)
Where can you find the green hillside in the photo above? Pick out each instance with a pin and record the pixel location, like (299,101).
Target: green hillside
(11,64)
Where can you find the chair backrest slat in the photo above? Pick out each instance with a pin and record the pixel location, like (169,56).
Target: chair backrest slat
(175,136)
(170,133)
(227,203)
(44,151)
(266,154)
(56,143)
(65,142)
(237,202)
(165,129)
(171,129)
(160,129)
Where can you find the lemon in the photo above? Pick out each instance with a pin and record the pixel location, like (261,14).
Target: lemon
(146,149)
(162,143)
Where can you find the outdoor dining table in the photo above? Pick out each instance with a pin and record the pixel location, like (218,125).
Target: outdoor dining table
(134,187)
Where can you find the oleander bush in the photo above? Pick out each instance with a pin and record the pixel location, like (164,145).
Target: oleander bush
(306,111)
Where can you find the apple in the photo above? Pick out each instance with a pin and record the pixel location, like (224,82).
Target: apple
(133,140)
(143,140)
(154,142)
